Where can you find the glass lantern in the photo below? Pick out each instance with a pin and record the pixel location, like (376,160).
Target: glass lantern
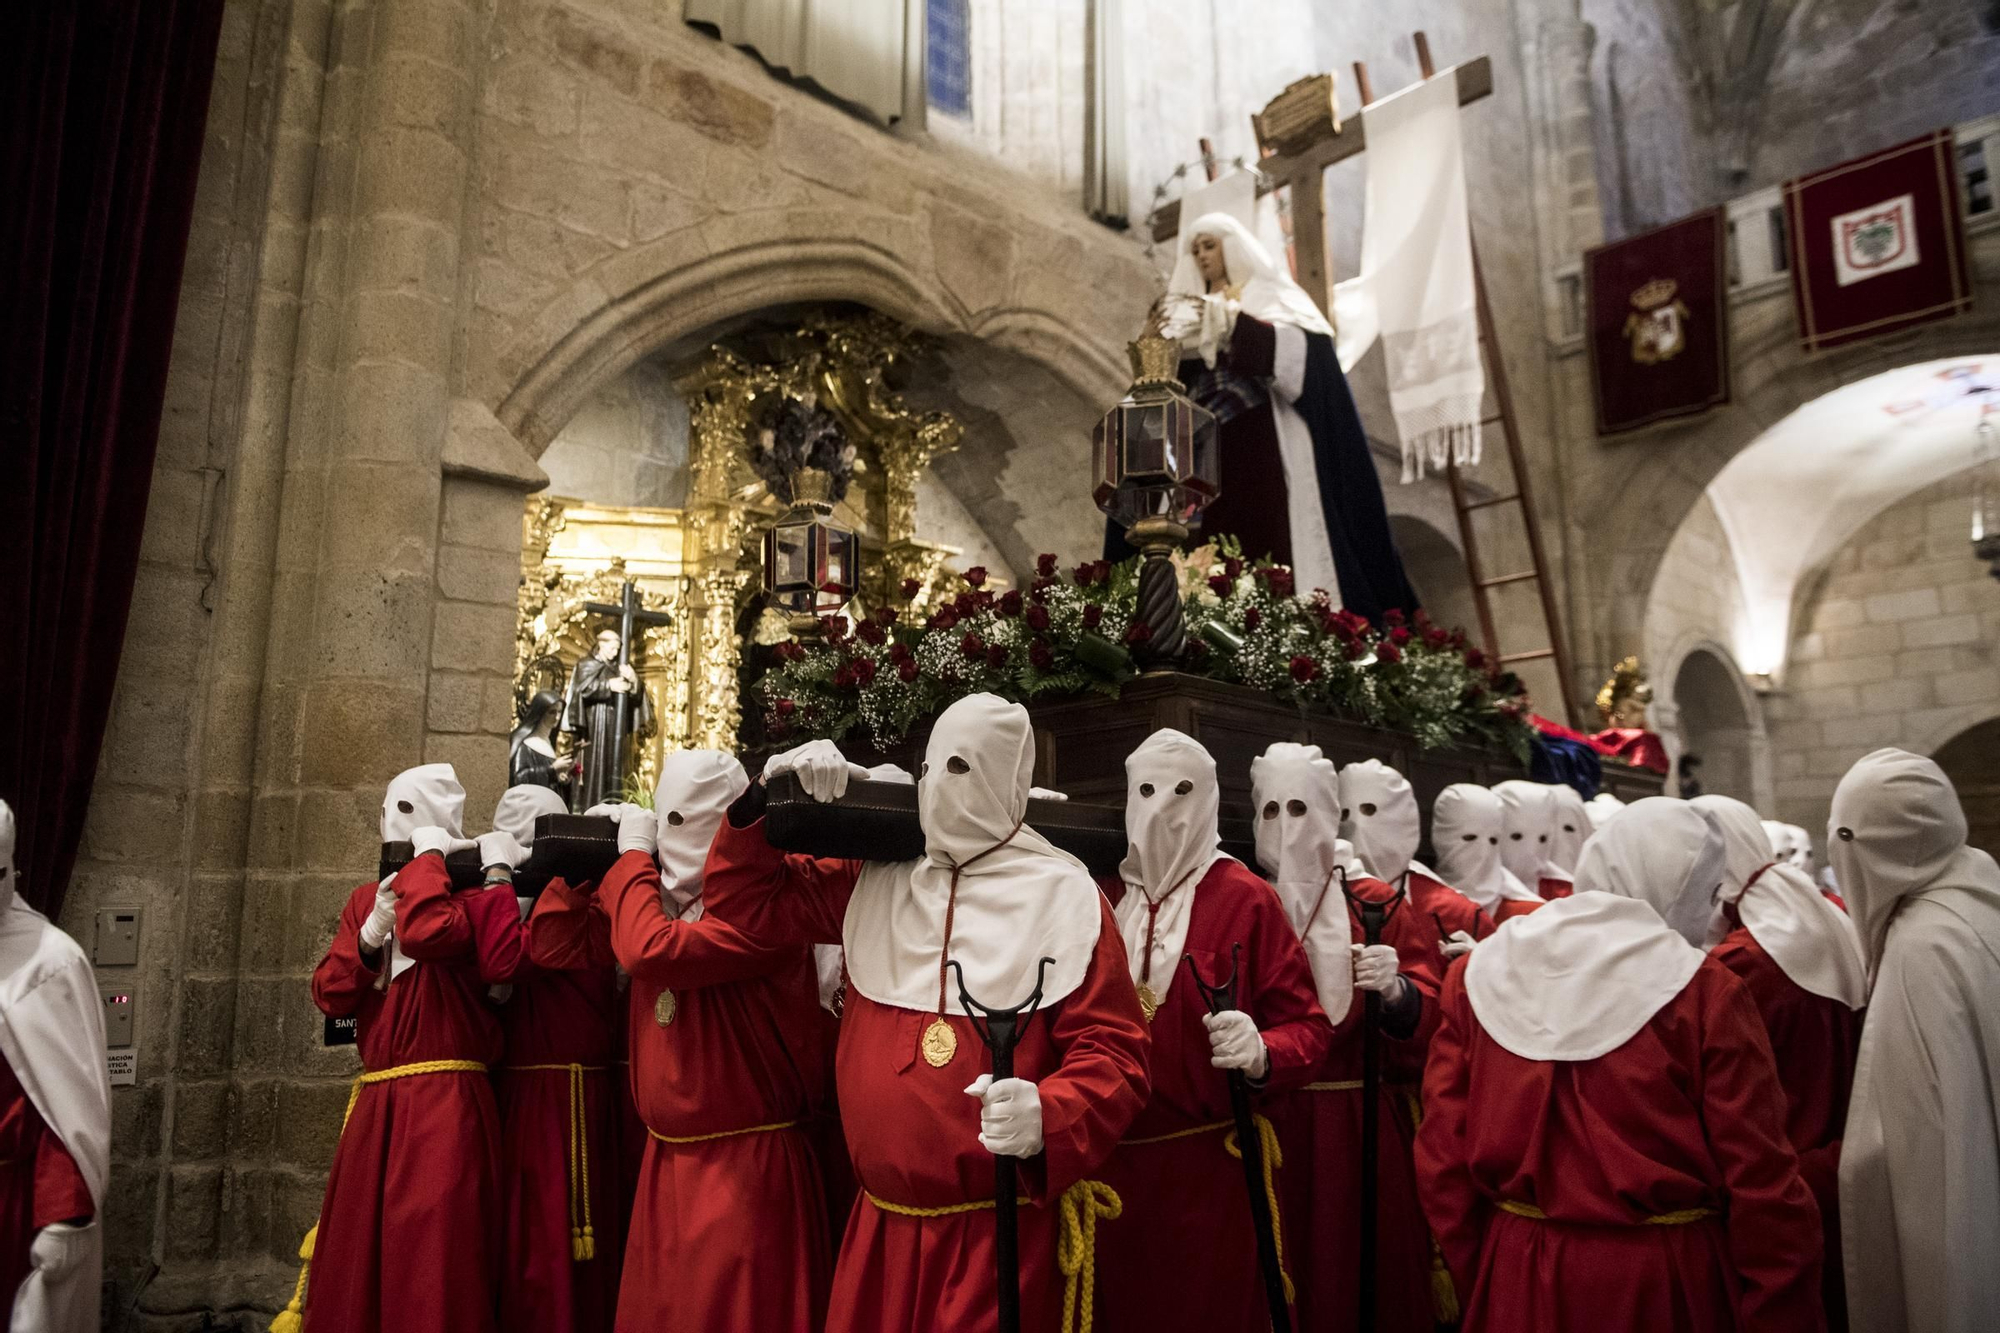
(811,563)
(1154,454)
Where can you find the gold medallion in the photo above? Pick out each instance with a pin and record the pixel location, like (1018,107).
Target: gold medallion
(665,1008)
(940,1043)
(1149,1003)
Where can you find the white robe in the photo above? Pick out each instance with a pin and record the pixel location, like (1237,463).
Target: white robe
(52,1034)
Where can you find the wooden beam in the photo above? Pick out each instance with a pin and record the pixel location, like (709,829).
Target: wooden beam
(1475,81)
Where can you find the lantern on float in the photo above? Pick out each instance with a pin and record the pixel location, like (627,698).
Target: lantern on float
(1156,467)
(811,563)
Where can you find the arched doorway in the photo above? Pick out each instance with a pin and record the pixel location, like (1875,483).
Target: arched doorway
(1971,760)
(1436,570)
(1717,733)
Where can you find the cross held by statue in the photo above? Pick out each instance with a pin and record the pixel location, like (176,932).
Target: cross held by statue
(603,695)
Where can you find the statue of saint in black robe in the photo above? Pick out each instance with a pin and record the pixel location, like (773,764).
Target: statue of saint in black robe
(598,689)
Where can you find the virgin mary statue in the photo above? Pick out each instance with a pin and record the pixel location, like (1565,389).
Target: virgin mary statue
(1298,480)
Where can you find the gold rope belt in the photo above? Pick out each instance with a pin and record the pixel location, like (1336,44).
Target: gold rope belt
(1344,1085)
(292,1319)
(722,1133)
(582,1237)
(1679,1218)
(1077,1213)
(1188,1133)
(1273,1159)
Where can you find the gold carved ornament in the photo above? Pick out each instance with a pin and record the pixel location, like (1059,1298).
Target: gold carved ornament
(1622,700)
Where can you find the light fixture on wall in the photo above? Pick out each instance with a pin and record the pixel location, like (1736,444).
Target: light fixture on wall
(1986,499)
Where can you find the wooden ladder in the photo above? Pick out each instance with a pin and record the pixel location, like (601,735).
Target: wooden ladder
(1521,498)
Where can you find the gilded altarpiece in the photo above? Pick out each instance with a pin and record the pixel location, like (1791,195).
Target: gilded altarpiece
(701,563)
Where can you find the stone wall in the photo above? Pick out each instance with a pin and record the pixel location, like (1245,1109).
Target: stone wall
(627,445)
(1897,643)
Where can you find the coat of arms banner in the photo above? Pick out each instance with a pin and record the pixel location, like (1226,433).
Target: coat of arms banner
(1659,324)
(1878,244)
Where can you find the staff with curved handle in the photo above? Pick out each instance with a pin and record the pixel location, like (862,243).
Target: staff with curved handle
(1375,917)
(1001,1030)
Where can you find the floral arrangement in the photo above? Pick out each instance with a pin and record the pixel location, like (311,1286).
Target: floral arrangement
(1073,632)
(793,433)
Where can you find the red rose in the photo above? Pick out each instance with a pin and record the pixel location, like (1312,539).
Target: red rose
(1278,579)
(907,668)
(1399,636)
(1252,619)
(972,645)
(835,627)
(1093,615)
(1422,619)
(1040,656)
(945,618)
(1138,632)
(1233,567)
(789,651)
(785,707)
(976,576)
(911,588)
(1038,591)
(870,632)
(899,651)
(1475,659)
(1458,638)
(1038,618)
(996,655)
(886,616)
(1435,637)
(1389,653)
(1304,669)
(1393,616)
(965,603)
(983,598)
(864,671)
(1355,650)
(843,675)
(1010,602)
(1220,584)
(1045,565)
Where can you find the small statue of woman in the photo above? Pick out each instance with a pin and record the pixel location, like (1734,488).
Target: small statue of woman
(531,755)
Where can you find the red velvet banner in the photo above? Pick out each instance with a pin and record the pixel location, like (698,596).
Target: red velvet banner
(1659,324)
(1878,244)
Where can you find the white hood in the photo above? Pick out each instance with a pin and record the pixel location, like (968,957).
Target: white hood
(519,807)
(1018,899)
(1570,827)
(427,796)
(1603,808)
(696,789)
(1172,805)
(1466,828)
(1379,816)
(1527,823)
(1579,977)
(1812,941)
(1296,791)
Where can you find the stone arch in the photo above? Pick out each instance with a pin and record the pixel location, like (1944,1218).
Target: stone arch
(1971,759)
(1705,707)
(1437,570)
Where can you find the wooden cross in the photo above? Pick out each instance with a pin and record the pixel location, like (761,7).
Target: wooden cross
(1304,169)
(631,615)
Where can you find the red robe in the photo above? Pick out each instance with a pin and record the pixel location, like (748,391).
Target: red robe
(1447,907)
(410,1233)
(563,1012)
(728,1231)
(1684,1115)
(1552,888)
(1192,1261)
(1511,908)
(1320,1128)
(39,1182)
(913,1133)
(1814,1041)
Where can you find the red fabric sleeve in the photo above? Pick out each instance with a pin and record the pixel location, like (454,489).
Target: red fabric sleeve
(1774,1227)
(60,1192)
(775,898)
(686,955)
(1282,998)
(431,921)
(1457,1209)
(1089,1103)
(499,936)
(341,977)
(1253,346)
(569,930)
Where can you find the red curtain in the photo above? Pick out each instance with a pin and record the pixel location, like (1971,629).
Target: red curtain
(104,106)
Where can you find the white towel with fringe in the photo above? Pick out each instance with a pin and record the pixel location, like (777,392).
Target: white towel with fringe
(1415,290)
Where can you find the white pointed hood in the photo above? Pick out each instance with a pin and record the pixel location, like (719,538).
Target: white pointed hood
(1466,829)
(1897,830)
(1577,978)
(1296,792)
(427,796)
(1603,808)
(1527,821)
(1172,808)
(696,789)
(1812,941)
(1018,898)
(519,807)
(1569,827)
(1379,816)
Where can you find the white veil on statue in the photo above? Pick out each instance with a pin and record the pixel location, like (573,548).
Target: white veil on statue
(1260,288)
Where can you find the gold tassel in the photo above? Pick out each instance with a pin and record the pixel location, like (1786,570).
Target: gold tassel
(1274,1157)
(1444,1293)
(292,1318)
(1076,1249)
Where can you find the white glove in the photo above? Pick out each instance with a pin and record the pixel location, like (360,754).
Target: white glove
(1046,794)
(611,810)
(430,840)
(381,920)
(638,831)
(823,771)
(891,773)
(57,1248)
(1375,967)
(1010,1116)
(499,848)
(1234,1044)
(1456,944)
